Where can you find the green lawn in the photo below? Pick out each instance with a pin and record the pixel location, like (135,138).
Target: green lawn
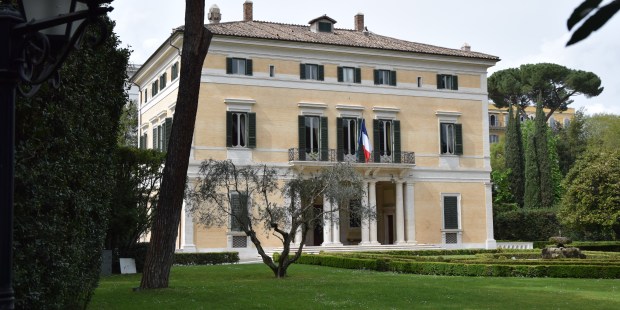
(315,287)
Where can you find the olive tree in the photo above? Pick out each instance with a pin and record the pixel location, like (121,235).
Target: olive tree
(255,199)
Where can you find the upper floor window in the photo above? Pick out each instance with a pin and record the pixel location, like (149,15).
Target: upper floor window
(446,81)
(239,66)
(174,71)
(325,27)
(240,129)
(493,138)
(311,72)
(451,139)
(146,95)
(313,138)
(154,88)
(347,130)
(162,80)
(161,135)
(386,146)
(493,120)
(385,77)
(349,75)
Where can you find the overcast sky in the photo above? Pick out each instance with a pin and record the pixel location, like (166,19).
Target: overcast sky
(518,31)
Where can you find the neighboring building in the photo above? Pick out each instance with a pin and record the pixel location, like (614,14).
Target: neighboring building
(498,119)
(293,97)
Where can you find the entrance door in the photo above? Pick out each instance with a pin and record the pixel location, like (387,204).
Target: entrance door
(390,229)
(317,239)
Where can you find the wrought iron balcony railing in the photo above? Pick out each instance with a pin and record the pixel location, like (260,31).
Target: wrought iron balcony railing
(332,155)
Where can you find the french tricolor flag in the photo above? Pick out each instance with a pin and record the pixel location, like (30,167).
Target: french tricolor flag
(364,142)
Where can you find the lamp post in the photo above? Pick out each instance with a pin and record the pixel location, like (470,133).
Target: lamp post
(35,39)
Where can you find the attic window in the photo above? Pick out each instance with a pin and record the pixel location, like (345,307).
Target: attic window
(325,27)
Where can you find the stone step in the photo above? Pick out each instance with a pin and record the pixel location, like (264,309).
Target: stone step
(357,248)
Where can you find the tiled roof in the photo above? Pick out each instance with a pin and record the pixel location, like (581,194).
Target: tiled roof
(342,37)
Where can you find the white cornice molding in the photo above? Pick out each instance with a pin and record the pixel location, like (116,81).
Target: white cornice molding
(312,108)
(448,116)
(241,105)
(385,112)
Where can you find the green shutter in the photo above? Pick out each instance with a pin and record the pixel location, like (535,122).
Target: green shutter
(168,131)
(324,151)
(154,137)
(397,151)
(458,136)
(359,151)
(321,72)
(450,212)
(252,130)
(439,82)
(229,129)
(229,65)
(302,136)
(442,141)
(455,82)
(302,71)
(248,67)
(376,133)
(358,75)
(340,78)
(339,139)
(393,78)
(235,210)
(376,75)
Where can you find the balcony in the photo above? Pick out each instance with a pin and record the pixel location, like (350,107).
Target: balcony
(497,125)
(331,155)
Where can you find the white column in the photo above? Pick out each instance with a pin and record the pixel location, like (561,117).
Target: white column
(187,242)
(336,225)
(327,223)
(409,214)
(400,214)
(372,196)
(298,237)
(365,220)
(490,242)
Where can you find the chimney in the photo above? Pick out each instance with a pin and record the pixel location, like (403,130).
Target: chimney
(214,15)
(466,47)
(247,11)
(359,22)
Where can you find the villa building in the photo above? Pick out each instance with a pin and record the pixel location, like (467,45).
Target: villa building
(498,120)
(294,96)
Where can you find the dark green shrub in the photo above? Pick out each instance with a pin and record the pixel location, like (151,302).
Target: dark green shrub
(211,258)
(525,224)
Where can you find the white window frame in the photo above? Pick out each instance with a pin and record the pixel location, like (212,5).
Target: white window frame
(312,71)
(238,66)
(348,75)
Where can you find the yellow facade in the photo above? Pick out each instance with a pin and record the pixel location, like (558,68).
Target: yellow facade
(413,198)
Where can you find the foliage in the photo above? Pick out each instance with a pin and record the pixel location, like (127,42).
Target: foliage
(128,131)
(137,175)
(591,203)
(554,83)
(206,258)
(602,131)
(525,224)
(515,157)
(220,183)
(547,191)
(598,17)
(531,198)
(248,286)
(571,141)
(65,142)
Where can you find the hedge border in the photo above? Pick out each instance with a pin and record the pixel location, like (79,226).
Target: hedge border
(210,258)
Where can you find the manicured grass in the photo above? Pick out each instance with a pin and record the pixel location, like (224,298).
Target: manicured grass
(315,287)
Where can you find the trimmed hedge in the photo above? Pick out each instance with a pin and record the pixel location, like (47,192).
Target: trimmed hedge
(526,224)
(463,269)
(211,258)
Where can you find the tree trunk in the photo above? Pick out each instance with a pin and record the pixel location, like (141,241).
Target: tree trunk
(196,41)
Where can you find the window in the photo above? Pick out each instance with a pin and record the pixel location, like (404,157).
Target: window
(493,120)
(386,144)
(325,27)
(419,81)
(272,71)
(154,88)
(445,81)
(566,122)
(311,72)
(552,123)
(313,138)
(143,139)
(162,80)
(239,66)
(494,138)
(239,218)
(349,75)
(240,129)
(174,71)
(451,219)
(146,95)
(451,139)
(347,131)
(161,135)
(385,77)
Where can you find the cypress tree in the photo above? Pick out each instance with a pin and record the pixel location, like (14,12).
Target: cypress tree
(514,156)
(547,193)
(532,177)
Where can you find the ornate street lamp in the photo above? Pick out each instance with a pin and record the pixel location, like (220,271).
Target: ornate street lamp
(35,39)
